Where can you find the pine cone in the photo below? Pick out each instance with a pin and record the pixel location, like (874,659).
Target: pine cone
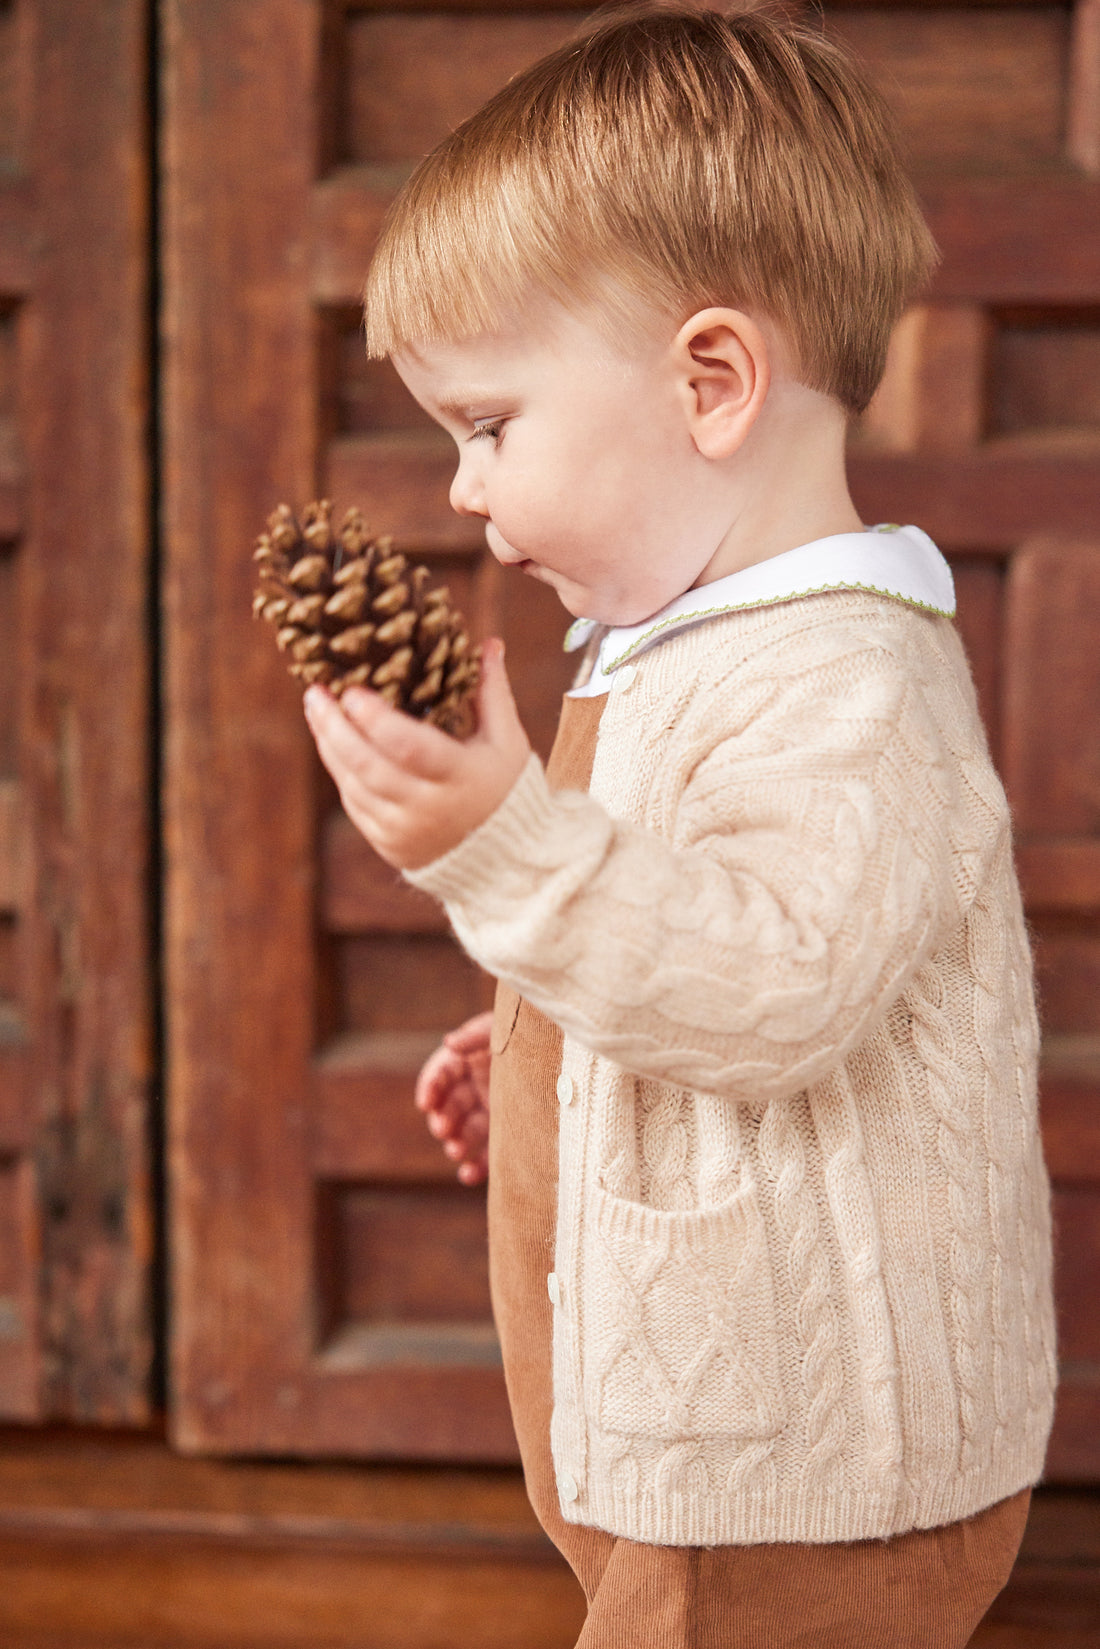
(349,611)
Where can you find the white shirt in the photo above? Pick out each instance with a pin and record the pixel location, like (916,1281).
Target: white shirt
(900,562)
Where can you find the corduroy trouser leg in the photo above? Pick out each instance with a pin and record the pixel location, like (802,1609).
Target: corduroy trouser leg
(923,1590)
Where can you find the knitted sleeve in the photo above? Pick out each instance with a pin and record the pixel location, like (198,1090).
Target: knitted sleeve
(805,860)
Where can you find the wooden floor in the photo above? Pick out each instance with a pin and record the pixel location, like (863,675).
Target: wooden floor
(117,1543)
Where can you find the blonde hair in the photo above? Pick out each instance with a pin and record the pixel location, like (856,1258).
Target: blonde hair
(678,159)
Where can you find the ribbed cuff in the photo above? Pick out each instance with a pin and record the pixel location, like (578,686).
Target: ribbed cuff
(487,854)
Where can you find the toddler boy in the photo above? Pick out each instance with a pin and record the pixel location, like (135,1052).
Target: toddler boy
(769,1231)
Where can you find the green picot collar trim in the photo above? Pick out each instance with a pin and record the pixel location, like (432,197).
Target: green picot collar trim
(911,568)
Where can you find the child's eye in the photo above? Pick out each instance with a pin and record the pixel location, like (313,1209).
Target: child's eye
(491,430)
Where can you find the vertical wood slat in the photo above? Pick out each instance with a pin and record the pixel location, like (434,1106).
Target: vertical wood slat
(14,847)
(1052,688)
(240,90)
(1083,101)
(931,396)
(77,245)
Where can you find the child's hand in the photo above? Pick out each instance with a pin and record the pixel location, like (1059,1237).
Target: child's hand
(453,1092)
(413,791)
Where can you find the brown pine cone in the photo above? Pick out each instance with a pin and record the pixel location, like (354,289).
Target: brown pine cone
(349,610)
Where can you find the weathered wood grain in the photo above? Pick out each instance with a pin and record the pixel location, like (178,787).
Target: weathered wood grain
(74,505)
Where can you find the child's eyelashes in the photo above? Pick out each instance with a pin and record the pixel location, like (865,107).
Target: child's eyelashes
(491,430)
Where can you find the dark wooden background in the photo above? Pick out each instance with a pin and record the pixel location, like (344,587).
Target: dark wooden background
(223,1231)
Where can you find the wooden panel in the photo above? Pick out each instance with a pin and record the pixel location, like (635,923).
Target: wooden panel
(75,1004)
(19,1323)
(988,497)
(1075,1448)
(931,396)
(972,89)
(116,1543)
(1051,751)
(1070,1107)
(295,1041)
(1083,101)
(401,481)
(407,1254)
(1067,960)
(1015,240)
(1044,370)
(239,778)
(14,847)
(1002,241)
(363,1122)
(1077,1241)
(414,982)
(412,77)
(1061,874)
(978,592)
(360,892)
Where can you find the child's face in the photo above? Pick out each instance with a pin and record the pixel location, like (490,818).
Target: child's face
(576,451)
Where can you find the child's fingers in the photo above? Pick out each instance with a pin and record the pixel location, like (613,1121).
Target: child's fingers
(414,746)
(475,1132)
(471,1037)
(470,1137)
(447,1120)
(475,1172)
(350,757)
(437,1076)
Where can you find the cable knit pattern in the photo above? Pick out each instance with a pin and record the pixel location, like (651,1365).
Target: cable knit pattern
(803,1248)
(783,1133)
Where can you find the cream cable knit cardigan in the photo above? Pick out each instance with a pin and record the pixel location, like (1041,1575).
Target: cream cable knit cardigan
(802,1275)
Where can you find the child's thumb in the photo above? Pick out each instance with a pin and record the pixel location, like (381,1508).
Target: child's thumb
(498,718)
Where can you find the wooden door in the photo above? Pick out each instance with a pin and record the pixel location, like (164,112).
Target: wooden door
(329,1278)
(76,886)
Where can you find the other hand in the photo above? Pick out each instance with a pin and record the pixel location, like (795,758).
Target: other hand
(453,1092)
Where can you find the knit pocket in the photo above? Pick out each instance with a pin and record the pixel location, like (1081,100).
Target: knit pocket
(680,1321)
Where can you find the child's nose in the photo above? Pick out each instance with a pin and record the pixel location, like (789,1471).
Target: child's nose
(467,493)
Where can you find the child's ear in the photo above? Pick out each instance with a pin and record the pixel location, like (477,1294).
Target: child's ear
(720,358)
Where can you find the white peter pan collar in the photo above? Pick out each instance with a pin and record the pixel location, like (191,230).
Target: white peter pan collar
(899,562)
